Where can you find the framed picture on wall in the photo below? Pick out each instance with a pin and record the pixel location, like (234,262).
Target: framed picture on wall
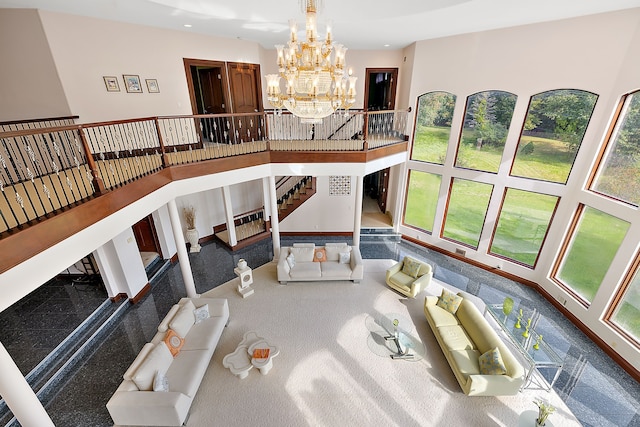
(132,83)
(111,83)
(152,86)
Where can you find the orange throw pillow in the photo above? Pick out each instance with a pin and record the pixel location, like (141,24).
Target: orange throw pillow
(174,342)
(320,255)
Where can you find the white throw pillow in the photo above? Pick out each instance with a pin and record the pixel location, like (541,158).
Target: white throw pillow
(184,319)
(201,313)
(157,361)
(345,257)
(160,382)
(303,254)
(291,260)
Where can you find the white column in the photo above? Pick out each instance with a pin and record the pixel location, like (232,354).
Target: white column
(183,256)
(275,225)
(20,398)
(265,197)
(228,211)
(357,214)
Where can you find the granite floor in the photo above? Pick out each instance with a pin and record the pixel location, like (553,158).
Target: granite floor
(597,391)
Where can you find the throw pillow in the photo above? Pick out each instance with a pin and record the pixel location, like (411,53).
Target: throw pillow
(201,313)
(303,254)
(160,382)
(320,255)
(410,267)
(449,301)
(184,319)
(491,363)
(173,342)
(291,260)
(345,257)
(159,359)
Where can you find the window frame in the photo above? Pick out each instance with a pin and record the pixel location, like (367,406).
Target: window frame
(618,296)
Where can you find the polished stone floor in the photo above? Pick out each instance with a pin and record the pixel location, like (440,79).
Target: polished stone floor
(597,391)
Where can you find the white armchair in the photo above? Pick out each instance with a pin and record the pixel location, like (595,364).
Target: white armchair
(409,276)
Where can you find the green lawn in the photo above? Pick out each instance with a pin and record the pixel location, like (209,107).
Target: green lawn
(521,227)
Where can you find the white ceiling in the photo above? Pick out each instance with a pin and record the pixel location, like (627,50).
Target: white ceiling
(358,24)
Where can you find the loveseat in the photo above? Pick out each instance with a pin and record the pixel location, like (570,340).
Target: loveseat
(159,386)
(481,362)
(308,262)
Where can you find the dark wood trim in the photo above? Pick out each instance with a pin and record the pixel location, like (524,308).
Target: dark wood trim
(174,258)
(118,297)
(628,367)
(317,233)
(136,299)
(188,62)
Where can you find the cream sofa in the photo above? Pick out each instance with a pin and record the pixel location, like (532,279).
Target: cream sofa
(465,336)
(341,262)
(135,402)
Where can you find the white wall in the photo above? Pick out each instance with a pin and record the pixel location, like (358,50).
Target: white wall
(86,49)
(29,83)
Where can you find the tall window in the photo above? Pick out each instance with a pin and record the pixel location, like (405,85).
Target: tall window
(626,314)
(466,211)
(619,174)
(486,123)
(433,126)
(422,200)
(552,133)
(594,243)
(522,225)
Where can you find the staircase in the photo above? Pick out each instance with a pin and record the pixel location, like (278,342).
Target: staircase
(299,193)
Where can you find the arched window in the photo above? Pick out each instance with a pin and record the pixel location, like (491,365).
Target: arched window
(618,175)
(553,130)
(484,132)
(433,127)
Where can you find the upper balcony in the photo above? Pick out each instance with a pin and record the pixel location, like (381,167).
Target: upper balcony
(57,180)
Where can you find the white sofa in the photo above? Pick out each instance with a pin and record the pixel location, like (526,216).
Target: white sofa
(463,337)
(175,379)
(303,263)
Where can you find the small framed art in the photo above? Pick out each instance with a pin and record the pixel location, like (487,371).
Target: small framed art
(132,83)
(152,86)
(111,83)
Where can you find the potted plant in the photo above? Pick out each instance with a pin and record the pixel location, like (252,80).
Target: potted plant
(192,236)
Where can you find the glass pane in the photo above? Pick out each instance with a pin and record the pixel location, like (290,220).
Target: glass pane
(627,313)
(433,126)
(591,250)
(484,132)
(620,174)
(553,130)
(522,225)
(467,209)
(422,200)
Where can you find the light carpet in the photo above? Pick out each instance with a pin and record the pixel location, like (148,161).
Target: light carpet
(326,374)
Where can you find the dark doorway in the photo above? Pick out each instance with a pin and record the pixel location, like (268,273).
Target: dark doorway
(380,88)
(207,81)
(375,187)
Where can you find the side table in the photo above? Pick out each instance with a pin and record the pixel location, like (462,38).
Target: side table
(240,362)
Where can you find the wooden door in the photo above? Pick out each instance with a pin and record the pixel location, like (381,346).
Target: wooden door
(380,88)
(383,185)
(246,90)
(145,234)
(211,90)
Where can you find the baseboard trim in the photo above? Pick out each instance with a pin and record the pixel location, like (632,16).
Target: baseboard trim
(136,299)
(118,298)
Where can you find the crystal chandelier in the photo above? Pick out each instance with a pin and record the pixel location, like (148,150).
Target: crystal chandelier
(313,71)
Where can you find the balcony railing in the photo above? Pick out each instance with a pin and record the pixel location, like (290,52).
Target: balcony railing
(46,170)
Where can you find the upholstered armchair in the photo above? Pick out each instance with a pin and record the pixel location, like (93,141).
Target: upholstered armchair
(409,276)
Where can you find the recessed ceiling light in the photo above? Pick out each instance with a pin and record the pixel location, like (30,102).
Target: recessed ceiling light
(188,25)
(387,45)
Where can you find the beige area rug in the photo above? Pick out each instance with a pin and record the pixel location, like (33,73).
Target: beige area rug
(326,374)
